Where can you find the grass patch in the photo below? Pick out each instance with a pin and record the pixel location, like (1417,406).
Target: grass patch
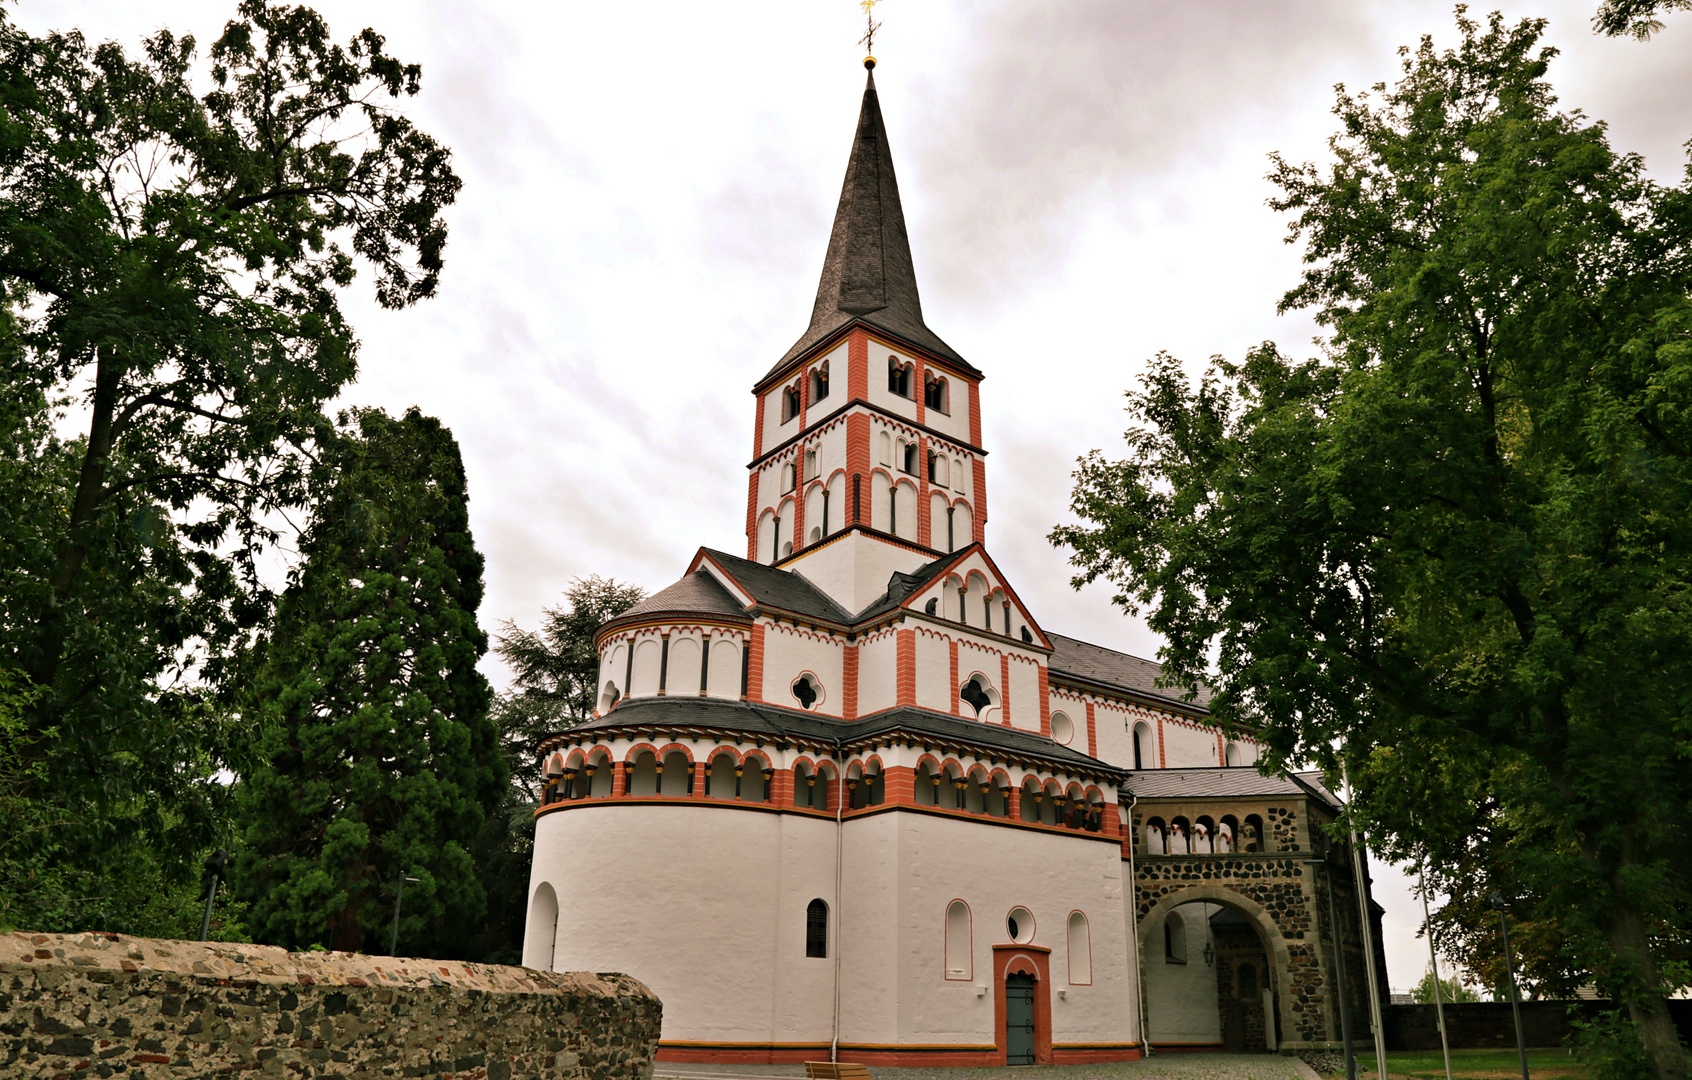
(1500,1064)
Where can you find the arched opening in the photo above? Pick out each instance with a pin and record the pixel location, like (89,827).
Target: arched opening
(997,798)
(819,382)
(934,394)
(789,403)
(960,946)
(1145,756)
(643,774)
(898,377)
(1180,834)
(1204,831)
(752,779)
(609,697)
(1080,951)
(816,929)
(1231,755)
(927,785)
(1155,843)
(1050,802)
(540,935)
(1214,986)
(1251,835)
(677,778)
(810,787)
(597,776)
(1226,830)
(719,778)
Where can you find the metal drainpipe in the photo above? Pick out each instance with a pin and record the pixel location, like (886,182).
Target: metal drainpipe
(1134,922)
(839,856)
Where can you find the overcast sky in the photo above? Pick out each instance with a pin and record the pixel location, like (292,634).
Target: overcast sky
(647,194)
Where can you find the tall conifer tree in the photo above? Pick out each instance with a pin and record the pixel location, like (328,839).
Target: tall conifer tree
(382,760)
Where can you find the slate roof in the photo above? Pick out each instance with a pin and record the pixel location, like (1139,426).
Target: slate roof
(901,585)
(776,723)
(1227,783)
(1097,664)
(771,587)
(867,274)
(698,591)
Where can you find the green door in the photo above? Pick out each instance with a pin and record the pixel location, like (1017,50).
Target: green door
(1019,1019)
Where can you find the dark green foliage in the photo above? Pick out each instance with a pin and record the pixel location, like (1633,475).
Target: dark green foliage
(381,756)
(1456,545)
(553,671)
(173,239)
(1634,18)
(1608,1046)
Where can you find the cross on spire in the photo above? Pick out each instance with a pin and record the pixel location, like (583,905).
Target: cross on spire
(871,26)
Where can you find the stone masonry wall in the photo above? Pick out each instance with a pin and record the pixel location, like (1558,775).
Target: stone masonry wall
(101,1005)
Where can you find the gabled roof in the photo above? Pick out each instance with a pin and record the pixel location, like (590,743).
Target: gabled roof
(1097,664)
(698,591)
(776,724)
(867,274)
(770,587)
(1228,783)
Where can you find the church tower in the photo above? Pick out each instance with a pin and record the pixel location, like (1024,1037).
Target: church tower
(866,455)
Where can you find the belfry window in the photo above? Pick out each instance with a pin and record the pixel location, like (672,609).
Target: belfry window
(909,463)
(819,382)
(810,464)
(934,394)
(790,403)
(898,377)
(816,929)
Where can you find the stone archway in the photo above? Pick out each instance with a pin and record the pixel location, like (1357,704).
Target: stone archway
(1274,943)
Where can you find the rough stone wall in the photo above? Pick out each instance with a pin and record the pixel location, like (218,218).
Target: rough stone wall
(102,1005)
(1283,826)
(1276,884)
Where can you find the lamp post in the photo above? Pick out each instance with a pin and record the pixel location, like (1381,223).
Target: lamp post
(399,894)
(1339,968)
(215,866)
(1510,978)
(1433,966)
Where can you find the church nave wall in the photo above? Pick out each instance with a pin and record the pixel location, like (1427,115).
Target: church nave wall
(878,672)
(789,654)
(674,660)
(934,686)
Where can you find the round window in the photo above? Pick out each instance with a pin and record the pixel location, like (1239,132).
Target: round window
(1063,728)
(1020,925)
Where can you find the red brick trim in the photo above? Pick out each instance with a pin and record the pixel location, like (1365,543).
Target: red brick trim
(1162,761)
(849,675)
(906,684)
(1032,960)
(1005,697)
(1046,709)
(755,665)
(1092,727)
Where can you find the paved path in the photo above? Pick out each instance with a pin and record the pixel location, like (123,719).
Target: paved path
(1157,1067)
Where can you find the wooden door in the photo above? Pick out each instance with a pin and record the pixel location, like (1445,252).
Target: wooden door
(1019,1019)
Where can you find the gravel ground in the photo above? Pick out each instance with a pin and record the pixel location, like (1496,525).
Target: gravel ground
(1157,1067)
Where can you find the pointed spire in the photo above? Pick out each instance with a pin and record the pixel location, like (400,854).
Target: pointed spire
(867,273)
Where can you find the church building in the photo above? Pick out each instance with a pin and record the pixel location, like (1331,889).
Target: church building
(845,795)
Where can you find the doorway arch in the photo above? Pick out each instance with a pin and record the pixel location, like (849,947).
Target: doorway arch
(1274,973)
(1017,964)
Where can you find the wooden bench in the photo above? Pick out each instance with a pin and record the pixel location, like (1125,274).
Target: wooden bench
(831,1070)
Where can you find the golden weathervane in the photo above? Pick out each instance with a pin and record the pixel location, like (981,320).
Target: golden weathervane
(871,26)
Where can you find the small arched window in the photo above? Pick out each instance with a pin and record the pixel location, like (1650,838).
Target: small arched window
(960,965)
(1080,951)
(1174,939)
(885,442)
(1143,755)
(934,394)
(787,477)
(819,381)
(790,403)
(1231,756)
(908,463)
(898,377)
(816,929)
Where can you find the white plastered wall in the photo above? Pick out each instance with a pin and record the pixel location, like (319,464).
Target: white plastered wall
(934,688)
(878,672)
(853,571)
(1181,998)
(1187,746)
(788,652)
(1024,711)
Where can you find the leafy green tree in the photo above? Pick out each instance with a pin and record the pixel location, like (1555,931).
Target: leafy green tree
(554,670)
(381,759)
(1452,991)
(174,235)
(1634,18)
(1455,546)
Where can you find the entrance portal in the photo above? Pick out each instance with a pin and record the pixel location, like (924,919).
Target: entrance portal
(1019,1019)
(1209,982)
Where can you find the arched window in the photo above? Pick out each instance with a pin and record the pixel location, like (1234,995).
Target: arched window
(1029,800)
(790,403)
(1231,756)
(643,774)
(609,697)
(1080,951)
(719,779)
(1145,753)
(1063,729)
(885,442)
(810,464)
(816,929)
(540,937)
(1226,831)
(819,381)
(678,775)
(898,377)
(1204,832)
(908,462)
(1155,837)
(787,477)
(1251,836)
(786,548)
(934,393)
(927,785)
(1174,939)
(960,948)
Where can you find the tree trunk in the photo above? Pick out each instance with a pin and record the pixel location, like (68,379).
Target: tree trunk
(1645,1003)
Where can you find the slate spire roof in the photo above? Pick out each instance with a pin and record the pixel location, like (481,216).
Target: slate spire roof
(867,273)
